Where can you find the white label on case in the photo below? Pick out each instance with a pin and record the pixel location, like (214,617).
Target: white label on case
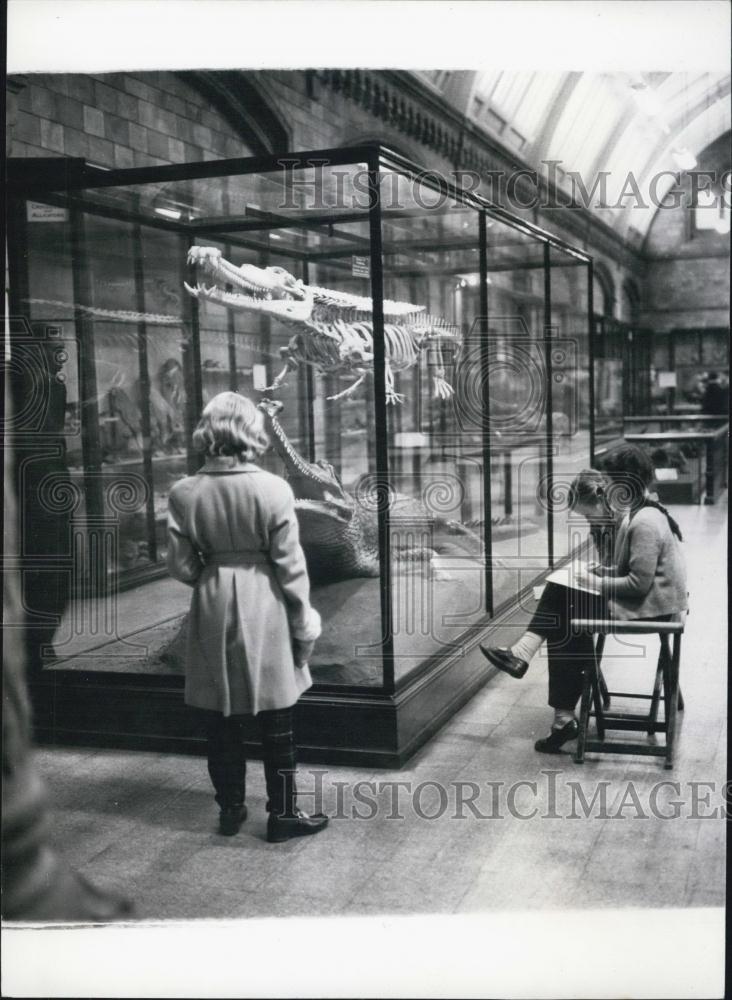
(38,212)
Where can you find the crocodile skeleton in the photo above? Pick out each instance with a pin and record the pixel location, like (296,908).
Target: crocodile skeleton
(333,329)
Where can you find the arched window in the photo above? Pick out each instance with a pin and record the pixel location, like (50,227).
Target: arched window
(709,211)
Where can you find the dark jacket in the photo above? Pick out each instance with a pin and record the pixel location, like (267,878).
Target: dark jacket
(649,575)
(715,401)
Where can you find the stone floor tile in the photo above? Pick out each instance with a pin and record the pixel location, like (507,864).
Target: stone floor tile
(593,893)
(336,880)
(411,885)
(626,866)
(521,888)
(166,899)
(481,711)
(705,896)
(140,851)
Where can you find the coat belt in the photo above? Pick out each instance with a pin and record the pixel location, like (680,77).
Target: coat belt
(249,557)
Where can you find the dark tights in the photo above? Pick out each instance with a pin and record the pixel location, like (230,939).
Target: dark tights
(570,652)
(227,763)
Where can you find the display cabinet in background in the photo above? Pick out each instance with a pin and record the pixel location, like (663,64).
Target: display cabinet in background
(425,367)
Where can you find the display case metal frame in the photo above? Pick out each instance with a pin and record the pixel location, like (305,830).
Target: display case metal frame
(378,725)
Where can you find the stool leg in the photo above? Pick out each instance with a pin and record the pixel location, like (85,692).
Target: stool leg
(672,701)
(603,690)
(681,701)
(663,657)
(599,648)
(597,699)
(585,705)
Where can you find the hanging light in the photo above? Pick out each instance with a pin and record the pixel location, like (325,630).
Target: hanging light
(169,213)
(722,225)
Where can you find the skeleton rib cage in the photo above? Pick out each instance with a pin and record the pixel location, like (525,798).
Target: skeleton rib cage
(341,342)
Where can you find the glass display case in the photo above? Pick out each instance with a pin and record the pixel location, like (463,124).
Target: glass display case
(424,363)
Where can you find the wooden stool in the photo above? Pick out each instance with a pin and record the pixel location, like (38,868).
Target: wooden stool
(596,696)
(606,695)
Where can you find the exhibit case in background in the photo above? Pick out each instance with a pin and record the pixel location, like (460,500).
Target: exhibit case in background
(424,362)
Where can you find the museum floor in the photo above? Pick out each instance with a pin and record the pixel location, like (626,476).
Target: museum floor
(145,823)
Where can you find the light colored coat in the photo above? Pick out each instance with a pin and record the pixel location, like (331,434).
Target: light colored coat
(233,536)
(648,578)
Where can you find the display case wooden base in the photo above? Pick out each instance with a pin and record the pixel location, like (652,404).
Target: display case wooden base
(123,711)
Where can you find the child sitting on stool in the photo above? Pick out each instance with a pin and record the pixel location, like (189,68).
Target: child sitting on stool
(647,582)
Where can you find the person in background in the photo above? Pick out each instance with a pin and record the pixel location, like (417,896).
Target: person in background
(647,580)
(715,400)
(233,537)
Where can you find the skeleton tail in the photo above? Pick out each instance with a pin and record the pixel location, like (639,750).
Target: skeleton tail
(115,315)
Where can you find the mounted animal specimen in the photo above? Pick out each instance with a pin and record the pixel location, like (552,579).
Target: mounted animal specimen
(339,529)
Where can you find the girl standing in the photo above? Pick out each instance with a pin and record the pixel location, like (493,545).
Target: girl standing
(233,537)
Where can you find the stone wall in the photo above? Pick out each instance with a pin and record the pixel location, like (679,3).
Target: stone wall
(120,120)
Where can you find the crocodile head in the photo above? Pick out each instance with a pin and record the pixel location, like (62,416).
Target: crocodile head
(272,291)
(315,484)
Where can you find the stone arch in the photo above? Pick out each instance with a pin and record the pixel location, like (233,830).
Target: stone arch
(244,105)
(606,283)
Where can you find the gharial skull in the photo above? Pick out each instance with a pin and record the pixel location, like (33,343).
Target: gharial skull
(261,282)
(247,286)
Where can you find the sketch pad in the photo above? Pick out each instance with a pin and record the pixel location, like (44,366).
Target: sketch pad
(566,577)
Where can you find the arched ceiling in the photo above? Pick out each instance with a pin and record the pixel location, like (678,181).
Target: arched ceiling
(639,128)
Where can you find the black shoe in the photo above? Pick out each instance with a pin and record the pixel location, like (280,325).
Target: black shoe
(231,819)
(281,828)
(558,737)
(505,660)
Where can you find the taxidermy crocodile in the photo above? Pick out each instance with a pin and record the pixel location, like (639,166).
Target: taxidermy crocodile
(334,329)
(339,530)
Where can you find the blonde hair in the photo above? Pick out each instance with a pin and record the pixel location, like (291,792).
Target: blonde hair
(231,425)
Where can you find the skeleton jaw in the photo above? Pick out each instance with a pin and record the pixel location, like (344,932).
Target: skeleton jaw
(260,282)
(269,290)
(241,286)
(295,312)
